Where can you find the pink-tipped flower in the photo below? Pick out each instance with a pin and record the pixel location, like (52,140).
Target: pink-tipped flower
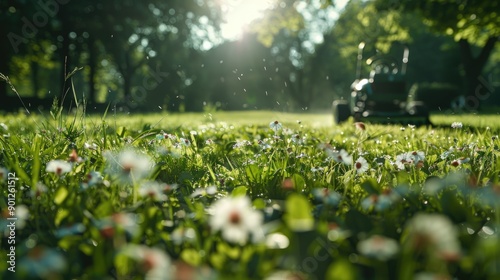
(74,158)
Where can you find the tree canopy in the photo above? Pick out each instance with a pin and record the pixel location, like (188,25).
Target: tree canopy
(474,24)
(172,54)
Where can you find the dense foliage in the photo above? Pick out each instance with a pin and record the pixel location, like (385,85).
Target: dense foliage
(141,55)
(106,198)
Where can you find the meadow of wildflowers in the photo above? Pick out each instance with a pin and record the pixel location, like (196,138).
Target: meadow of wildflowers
(96,198)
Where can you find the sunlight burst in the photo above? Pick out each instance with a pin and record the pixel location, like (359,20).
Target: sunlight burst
(239,14)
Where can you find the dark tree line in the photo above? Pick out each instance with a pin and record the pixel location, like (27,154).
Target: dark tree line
(146,55)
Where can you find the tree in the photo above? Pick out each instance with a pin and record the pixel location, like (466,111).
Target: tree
(132,38)
(474,24)
(358,22)
(292,30)
(17,27)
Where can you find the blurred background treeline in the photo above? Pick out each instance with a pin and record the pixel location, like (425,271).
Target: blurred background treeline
(195,55)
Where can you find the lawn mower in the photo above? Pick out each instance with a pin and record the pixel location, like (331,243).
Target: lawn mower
(383,97)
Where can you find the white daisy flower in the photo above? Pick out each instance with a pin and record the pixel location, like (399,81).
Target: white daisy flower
(434,234)
(336,233)
(22,215)
(91,146)
(38,189)
(169,187)
(123,221)
(129,165)
(417,157)
(447,153)
(378,247)
(341,156)
(154,190)
(93,178)
(276,126)
(74,229)
(263,144)
(235,218)
(301,155)
(183,234)
(430,276)
(160,136)
(155,263)
(241,143)
(210,190)
(327,196)
(402,160)
(361,165)
(460,161)
(58,167)
(297,139)
(185,142)
(42,262)
(456,125)
(377,202)
(317,169)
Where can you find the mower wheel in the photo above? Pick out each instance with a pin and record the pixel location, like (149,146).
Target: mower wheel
(419,109)
(341,111)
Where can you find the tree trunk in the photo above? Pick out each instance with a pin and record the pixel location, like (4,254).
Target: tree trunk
(127,73)
(473,66)
(127,85)
(34,76)
(4,62)
(93,69)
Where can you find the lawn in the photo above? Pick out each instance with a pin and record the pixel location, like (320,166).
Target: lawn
(248,195)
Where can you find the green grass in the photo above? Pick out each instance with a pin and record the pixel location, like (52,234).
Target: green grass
(232,118)
(475,120)
(320,119)
(164,179)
